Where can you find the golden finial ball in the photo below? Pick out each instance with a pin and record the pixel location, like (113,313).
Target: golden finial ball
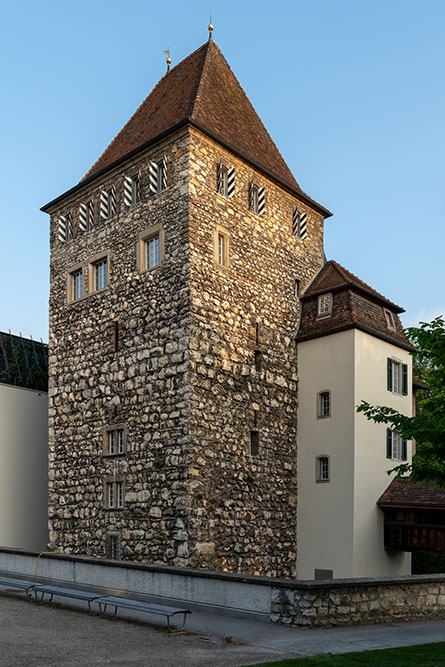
(169,61)
(210,27)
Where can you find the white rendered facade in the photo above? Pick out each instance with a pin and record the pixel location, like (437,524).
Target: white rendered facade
(339,526)
(23,468)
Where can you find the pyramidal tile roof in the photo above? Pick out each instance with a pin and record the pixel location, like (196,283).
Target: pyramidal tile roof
(333,276)
(354,305)
(201,89)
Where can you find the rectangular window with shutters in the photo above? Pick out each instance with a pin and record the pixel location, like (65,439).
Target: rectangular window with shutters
(256,199)
(86,212)
(158,176)
(299,224)
(396,446)
(397,377)
(225,180)
(222,180)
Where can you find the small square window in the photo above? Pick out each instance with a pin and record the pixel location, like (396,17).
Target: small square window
(324,305)
(322,469)
(324,404)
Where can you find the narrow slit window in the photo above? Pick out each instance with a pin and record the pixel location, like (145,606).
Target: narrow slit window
(254,443)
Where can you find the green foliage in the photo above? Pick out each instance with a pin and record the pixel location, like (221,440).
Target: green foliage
(428,562)
(426,655)
(428,426)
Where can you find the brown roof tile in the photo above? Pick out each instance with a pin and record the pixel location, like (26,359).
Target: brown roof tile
(355,305)
(334,275)
(204,89)
(400,493)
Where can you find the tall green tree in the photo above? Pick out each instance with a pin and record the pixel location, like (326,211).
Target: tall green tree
(427,427)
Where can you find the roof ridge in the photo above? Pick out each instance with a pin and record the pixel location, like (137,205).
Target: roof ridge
(200,80)
(141,104)
(244,94)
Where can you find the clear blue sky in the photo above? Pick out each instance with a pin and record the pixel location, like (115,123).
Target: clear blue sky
(352,92)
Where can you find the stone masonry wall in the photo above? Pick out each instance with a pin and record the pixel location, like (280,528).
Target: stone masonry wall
(206,355)
(142,385)
(360,601)
(243,367)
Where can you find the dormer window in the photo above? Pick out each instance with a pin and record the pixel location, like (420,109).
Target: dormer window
(324,306)
(390,319)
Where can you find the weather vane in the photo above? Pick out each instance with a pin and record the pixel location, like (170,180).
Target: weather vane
(168,60)
(210,26)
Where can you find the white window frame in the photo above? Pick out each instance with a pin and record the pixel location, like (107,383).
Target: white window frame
(322,468)
(114,494)
(72,294)
(324,305)
(143,245)
(115,440)
(397,377)
(221,246)
(397,446)
(94,264)
(324,404)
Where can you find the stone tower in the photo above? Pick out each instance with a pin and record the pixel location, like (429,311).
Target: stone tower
(176,265)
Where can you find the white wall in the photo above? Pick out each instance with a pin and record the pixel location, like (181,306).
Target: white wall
(371,464)
(23,468)
(339,526)
(325,510)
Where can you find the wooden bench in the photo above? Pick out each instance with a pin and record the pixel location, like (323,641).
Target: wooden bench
(136,605)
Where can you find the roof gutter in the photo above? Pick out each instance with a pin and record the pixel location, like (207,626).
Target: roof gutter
(299,194)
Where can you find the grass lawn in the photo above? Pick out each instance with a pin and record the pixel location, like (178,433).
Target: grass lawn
(424,655)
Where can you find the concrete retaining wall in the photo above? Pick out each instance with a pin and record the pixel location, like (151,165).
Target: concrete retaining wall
(303,603)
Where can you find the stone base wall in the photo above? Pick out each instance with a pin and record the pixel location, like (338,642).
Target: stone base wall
(336,602)
(365,601)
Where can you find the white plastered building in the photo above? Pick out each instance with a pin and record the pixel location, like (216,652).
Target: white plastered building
(351,347)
